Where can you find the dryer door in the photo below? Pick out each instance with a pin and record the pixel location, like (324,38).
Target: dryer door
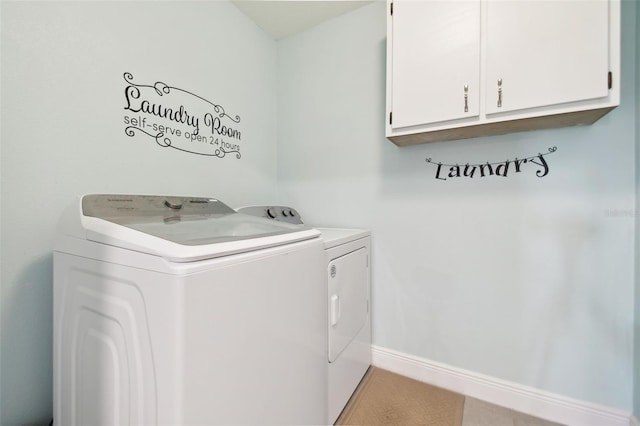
(348,306)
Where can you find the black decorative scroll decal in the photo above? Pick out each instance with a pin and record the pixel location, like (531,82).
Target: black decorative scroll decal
(159,112)
(493,169)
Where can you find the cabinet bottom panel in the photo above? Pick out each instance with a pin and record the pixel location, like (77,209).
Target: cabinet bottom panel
(502,127)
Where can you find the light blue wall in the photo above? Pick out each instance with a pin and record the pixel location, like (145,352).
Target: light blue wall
(63,135)
(526,279)
(636,358)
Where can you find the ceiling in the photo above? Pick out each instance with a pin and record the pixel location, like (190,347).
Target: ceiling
(283,18)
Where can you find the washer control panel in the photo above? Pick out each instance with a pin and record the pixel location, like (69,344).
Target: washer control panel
(122,209)
(279,213)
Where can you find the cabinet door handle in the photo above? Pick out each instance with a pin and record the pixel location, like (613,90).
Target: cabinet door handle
(466,98)
(499,93)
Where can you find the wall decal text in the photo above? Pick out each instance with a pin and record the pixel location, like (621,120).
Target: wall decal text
(447,171)
(201,127)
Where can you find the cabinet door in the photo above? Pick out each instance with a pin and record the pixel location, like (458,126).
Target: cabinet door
(436,54)
(542,53)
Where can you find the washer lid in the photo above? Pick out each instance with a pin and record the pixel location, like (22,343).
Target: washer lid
(180,228)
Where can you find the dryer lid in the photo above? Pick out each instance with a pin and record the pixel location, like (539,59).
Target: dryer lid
(180,228)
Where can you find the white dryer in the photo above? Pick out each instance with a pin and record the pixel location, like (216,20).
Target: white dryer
(347,302)
(348,309)
(181,311)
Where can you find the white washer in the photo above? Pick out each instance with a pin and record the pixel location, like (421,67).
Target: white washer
(347,300)
(180,311)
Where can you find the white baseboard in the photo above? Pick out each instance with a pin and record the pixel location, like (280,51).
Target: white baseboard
(532,401)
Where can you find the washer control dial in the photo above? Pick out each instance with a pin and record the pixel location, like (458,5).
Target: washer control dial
(173,203)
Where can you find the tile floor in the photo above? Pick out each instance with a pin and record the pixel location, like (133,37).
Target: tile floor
(480,413)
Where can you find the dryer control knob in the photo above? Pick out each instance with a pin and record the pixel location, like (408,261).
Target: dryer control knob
(292,213)
(271,213)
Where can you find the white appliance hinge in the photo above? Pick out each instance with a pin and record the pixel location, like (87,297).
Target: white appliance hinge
(391,8)
(610,79)
(390,118)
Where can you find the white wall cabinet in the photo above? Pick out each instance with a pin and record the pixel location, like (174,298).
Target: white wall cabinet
(468,68)
(436,61)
